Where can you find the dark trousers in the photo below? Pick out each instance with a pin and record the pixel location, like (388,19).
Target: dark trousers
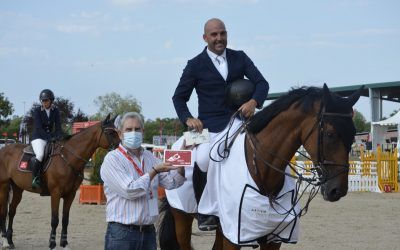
(125,237)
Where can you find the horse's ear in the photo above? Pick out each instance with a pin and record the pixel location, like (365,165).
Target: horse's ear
(107,120)
(326,94)
(355,96)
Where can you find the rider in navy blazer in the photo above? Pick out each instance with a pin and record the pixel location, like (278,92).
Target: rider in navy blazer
(46,127)
(206,73)
(201,74)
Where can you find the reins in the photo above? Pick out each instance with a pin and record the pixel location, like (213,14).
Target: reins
(104,130)
(314,180)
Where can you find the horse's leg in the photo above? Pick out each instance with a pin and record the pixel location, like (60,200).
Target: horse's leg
(183,228)
(16,199)
(55,204)
(218,242)
(227,245)
(65,219)
(4,189)
(270,246)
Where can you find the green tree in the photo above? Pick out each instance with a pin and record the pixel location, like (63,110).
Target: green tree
(66,108)
(13,126)
(360,122)
(79,116)
(165,126)
(97,160)
(6,109)
(115,104)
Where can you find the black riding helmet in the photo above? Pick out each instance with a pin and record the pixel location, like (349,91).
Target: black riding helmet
(239,92)
(46,94)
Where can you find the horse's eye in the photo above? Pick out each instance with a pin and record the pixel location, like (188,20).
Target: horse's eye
(329,134)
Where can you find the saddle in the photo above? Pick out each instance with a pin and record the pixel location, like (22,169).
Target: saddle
(26,161)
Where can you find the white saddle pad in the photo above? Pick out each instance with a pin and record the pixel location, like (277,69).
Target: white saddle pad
(246,215)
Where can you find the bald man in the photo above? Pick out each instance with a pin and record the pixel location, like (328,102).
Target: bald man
(209,73)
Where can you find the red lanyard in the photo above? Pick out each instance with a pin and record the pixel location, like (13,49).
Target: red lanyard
(140,171)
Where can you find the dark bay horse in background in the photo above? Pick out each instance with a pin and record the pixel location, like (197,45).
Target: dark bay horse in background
(316,118)
(62,178)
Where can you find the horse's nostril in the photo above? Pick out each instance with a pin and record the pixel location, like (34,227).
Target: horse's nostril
(334,194)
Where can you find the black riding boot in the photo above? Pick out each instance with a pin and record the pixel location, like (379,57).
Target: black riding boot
(36,169)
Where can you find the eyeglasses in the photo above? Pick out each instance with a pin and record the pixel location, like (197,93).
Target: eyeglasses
(45,100)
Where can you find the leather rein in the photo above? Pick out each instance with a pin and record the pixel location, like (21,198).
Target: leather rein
(314,180)
(107,131)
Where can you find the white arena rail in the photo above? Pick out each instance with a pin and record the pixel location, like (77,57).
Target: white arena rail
(362,176)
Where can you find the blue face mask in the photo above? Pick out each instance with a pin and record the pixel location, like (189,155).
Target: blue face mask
(132,140)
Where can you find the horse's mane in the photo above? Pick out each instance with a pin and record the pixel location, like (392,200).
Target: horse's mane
(66,137)
(307,95)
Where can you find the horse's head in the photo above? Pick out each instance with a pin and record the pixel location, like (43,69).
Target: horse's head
(329,140)
(109,138)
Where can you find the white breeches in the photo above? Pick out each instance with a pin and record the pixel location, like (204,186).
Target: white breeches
(38,146)
(203,153)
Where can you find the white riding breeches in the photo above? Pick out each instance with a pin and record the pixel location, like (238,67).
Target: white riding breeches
(38,146)
(203,153)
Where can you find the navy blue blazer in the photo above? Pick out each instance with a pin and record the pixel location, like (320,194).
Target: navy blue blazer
(45,127)
(201,74)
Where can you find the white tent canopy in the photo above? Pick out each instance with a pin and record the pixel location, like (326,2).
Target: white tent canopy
(379,129)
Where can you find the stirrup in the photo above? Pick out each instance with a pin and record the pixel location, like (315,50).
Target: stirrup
(207,227)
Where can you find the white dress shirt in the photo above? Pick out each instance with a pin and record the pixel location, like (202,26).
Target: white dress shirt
(220,62)
(128,194)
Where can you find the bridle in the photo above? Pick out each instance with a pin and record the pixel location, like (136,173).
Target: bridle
(321,161)
(106,130)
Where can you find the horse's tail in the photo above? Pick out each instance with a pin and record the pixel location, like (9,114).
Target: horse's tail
(166,228)
(199,182)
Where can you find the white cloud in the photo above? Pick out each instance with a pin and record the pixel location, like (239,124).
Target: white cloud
(267,38)
(97,15)
(168,44)
(128,2)
(22,51)
(140,61)
(332,44)
(360,33)
(75,28)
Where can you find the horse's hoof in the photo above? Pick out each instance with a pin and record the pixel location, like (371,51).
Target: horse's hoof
(11,246)
(52,245)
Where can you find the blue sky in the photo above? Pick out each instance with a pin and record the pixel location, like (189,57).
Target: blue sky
(87,48)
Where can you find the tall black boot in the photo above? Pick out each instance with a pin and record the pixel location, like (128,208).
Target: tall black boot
(36,169)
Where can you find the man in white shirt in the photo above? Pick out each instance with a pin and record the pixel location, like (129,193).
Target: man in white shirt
(131,177)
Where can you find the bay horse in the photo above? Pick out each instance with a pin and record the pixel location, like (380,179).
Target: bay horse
(61,179)
(316,118)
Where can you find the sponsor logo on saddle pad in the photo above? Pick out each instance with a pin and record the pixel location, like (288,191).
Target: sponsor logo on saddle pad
(23,165)
(178,157)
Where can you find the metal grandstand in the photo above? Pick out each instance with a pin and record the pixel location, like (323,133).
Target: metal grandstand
(377,92)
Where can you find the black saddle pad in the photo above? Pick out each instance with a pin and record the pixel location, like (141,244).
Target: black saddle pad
(25,164)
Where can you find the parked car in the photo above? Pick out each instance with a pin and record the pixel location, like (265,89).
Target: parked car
(4,142)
